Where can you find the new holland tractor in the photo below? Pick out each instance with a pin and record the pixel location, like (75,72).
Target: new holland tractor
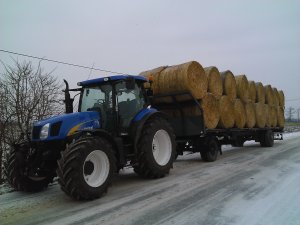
(115,126)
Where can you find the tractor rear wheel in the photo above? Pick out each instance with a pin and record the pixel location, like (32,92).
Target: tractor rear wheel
(86,167)
(156,149)
(20,174)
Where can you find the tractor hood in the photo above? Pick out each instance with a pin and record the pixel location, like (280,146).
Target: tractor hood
(59,127)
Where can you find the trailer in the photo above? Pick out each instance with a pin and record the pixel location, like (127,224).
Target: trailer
(192,135)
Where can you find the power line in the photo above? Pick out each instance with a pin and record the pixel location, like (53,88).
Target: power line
(60,62)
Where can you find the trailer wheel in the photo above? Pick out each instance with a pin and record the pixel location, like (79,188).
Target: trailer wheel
(210,150)
(18,172)
(267,139)
(86,167)
(156,149)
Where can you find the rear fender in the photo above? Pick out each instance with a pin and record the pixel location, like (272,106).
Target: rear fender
(138,125)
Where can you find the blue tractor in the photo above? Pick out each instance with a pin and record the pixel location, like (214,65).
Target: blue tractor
(115,126)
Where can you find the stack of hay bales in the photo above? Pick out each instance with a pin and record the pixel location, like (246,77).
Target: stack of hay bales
(227,101)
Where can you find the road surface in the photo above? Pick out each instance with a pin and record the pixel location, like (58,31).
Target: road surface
(250,185)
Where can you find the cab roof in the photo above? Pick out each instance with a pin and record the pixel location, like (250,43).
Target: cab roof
(110,78)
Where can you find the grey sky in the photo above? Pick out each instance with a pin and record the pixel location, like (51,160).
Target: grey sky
(258,38)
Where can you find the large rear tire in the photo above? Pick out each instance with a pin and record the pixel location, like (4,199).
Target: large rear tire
(20,175)
(156,149)
(86,167)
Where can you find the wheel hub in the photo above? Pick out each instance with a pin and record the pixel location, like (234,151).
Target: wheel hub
(88,168)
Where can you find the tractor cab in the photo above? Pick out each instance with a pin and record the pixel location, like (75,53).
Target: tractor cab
(117,99)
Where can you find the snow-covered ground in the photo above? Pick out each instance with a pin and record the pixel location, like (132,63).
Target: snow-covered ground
(249,185)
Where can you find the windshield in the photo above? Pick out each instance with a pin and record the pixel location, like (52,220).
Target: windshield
(97,98)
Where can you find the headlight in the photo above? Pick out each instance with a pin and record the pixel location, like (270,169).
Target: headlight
(44,131)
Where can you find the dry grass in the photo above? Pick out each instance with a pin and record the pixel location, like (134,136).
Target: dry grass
(215,85)
(229,84)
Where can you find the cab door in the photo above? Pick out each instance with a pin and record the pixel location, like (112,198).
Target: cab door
(129,103)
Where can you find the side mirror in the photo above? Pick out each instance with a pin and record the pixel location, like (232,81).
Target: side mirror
(130,83)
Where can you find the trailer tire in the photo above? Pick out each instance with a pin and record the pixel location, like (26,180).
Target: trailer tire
(17,176)
(267,139)
(156,149)
(210,150)
(86,167)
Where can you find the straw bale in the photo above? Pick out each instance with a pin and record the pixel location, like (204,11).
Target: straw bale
(260,93)
(250,114)
(156,75)
(229,84)
(281,99)
(252,91)
(239,114)
(211,110)
(276,96)
(273,116)
(189,76)
(215,85)
(242,87)
(280,117)
(268,115)
(269,95)
(226,112)
(260,115)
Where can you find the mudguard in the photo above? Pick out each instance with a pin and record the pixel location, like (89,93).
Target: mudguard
(140,119)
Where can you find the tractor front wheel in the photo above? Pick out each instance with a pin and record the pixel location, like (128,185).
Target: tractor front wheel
(86,167)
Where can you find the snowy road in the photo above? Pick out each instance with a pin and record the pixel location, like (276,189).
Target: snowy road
(250,185)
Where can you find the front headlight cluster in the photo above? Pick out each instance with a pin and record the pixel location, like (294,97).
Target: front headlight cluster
(44,131)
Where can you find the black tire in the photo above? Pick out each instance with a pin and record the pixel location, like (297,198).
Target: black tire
(16,171)
(73,168)
(210,150)
(267,139)
(147,166)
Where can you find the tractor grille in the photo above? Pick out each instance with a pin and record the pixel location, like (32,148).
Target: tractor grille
(36,132)
(54,130)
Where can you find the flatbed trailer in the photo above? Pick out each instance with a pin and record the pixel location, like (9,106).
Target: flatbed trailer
(192,135)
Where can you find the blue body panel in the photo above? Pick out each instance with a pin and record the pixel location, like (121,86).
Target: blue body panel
(143,113)
(71,122)
(113,78)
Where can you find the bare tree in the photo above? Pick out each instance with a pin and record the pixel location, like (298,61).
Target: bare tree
(290,113)
(26,95)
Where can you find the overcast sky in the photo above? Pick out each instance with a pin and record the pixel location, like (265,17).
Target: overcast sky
(259,38)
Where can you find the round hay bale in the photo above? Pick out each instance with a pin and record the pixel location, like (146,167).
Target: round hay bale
(229,84)
(226,112)
(250,114)
(260,93)
(268,115)
(252,91)
(281,99)
(189,76)
(211,110)
(276,97)
(155,73)
(242,87)
(269,95)
(239,114)
(260,115)
(280,117)
(215,85)
(273,115)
